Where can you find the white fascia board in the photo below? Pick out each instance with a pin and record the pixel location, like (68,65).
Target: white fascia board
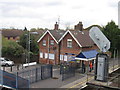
(53,37)
(75,39)
(84,59)
(42,36)
(72,36)
(45,34)
(63,36)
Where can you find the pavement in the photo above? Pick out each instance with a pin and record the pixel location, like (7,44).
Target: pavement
(78,81)
(56,81)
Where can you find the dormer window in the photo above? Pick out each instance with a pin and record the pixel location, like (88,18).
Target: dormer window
(69,43)
(44,43)
(51,42)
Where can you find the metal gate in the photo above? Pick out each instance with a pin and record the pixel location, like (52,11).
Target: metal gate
(37,74)
(46,71)
(67,71)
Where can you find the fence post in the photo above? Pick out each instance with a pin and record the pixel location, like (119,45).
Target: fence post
(36,74)
(41,73)
(11,69)
(17,67)
(51,71)
(17,81)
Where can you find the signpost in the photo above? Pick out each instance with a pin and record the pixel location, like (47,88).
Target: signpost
(101,67)
(100,39)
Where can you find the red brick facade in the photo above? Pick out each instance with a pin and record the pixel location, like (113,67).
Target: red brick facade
(51,49)
(76,49)
(58,50)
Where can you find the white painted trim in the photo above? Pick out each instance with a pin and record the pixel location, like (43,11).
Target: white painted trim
(45,34)
(63,36)
(42,36)
(53,37)
(75,39)
(84,59)
(72,36)
(29,64)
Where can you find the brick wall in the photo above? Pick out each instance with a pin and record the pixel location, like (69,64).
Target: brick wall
(52,49)
(60,49)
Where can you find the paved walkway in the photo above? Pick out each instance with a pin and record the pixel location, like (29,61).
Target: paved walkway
(56,81)
(74,82)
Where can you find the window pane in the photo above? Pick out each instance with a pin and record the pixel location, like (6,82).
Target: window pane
(41,55)
(61,57)
(69,43)
(44,42)
(51,42)
(46,55)
(65,57)
(51,56)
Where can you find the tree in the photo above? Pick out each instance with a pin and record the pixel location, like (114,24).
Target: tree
(112,32)
(11,48)
(24,42)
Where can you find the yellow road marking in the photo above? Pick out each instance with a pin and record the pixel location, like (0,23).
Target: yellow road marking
(88,79)
(82,82)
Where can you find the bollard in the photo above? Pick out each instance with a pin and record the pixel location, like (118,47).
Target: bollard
(11,69)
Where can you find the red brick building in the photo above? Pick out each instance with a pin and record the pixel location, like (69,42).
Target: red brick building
(12,34)
(56,46)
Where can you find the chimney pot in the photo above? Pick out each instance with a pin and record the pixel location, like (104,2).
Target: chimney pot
(56,27)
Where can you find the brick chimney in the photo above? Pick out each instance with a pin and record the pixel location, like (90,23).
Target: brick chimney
(56,26)
(79,26)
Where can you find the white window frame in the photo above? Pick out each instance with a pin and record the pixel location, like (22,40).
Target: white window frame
(69,43)
(44,43)
(46,55)
(51,56)
(65,57)
(61,57)
(41,55)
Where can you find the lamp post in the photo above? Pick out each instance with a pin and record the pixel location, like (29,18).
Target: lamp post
(29,33)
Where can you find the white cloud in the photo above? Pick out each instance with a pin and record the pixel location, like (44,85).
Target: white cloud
(44,13)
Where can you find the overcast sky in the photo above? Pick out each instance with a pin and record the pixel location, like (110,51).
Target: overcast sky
(44,13)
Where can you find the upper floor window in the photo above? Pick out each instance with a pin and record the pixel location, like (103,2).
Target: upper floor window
(44,43)
(51,42)
(69,43)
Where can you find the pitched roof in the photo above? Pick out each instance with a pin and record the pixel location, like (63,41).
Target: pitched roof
(81,37)
(12,33)
(55,34)
(87,54)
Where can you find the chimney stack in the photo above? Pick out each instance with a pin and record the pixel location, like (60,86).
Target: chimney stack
(79,26)
(56,26)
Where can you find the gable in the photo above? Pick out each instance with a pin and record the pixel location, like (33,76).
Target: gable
(47,32)
(68,32)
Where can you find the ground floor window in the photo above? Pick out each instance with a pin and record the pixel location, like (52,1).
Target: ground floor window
(51,56)
(41,55)
(46,55)
(61,57)
(65,57)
